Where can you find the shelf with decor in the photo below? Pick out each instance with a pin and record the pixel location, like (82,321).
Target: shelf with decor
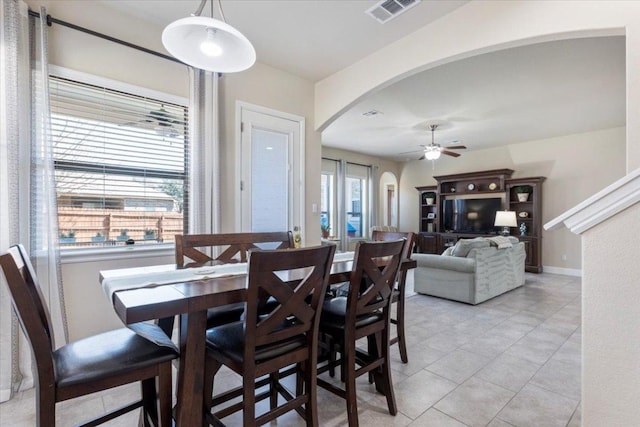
(428,213)
(495,190)
(524,197)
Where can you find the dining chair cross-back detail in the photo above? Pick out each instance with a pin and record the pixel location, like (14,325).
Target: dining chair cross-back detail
(364,312)
(234,248)
(237,245)
(262,344)
(399,292)
(91,364)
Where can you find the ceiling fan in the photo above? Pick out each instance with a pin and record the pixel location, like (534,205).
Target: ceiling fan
(433,150)
(160,121)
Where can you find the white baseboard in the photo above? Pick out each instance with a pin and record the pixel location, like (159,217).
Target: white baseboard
(564,271)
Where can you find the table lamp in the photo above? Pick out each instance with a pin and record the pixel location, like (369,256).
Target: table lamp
(505,219)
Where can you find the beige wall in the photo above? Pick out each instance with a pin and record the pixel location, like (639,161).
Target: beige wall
(268,87)
(611,336)
(87,309)
(82,52)
(576,166)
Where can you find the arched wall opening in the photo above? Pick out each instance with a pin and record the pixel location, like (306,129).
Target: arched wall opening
(388,196)
(482,27)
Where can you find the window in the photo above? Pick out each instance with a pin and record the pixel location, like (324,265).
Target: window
(328,196)
(346,201)
(357,200)
(120,164)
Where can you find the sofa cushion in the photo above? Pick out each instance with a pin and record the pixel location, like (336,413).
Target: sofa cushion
(464,246)
(502,242)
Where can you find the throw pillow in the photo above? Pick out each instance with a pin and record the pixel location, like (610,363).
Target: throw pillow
(463,246)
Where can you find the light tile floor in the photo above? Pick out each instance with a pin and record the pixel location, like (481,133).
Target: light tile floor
(512,361)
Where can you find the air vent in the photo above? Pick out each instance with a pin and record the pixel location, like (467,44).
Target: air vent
(386,10)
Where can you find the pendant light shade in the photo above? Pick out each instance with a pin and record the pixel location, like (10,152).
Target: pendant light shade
(209,44)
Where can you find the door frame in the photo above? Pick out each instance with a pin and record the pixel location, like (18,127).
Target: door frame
(242,105)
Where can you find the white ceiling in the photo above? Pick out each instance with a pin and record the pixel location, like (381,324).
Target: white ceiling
(515,95)
(310,38)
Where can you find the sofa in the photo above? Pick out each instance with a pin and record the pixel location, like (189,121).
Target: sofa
(472,271)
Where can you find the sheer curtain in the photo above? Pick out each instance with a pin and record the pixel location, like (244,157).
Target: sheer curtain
(204,156)
(27,195)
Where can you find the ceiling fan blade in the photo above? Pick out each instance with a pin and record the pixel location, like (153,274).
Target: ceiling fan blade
(449,153)
(410,152)
(456,147)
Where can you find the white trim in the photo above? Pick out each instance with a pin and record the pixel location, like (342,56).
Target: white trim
(564,271)
(79,76)
(601,206)
(240,105)
(73,256)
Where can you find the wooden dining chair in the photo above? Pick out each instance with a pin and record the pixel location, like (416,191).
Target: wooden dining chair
(91,364)
(234,248)
(399,291)
(263,344)
(364,312)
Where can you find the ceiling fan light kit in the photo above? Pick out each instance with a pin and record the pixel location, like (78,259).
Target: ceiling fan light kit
(431,153)
(433,150)
(208,44)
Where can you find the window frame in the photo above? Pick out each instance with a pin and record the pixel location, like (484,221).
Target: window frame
(92,254)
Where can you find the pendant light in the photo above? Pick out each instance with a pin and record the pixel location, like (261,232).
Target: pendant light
(208,43)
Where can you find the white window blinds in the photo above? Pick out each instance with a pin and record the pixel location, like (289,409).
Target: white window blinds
(120,165)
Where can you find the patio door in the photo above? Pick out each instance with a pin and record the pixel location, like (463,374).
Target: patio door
(271,165)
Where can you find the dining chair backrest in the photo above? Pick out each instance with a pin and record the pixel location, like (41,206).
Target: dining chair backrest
(297,280)
(30,307)
(235,246)
(375,267)
(384,236)
(89,365)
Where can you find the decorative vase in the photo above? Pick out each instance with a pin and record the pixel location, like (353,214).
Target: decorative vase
(325,234)
(429,200)
(523,197)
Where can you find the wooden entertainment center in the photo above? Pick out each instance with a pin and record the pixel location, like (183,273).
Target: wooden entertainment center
(434,238)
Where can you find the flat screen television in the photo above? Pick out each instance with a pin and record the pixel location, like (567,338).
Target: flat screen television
(470,215)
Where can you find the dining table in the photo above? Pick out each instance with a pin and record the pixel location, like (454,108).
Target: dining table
(142,294)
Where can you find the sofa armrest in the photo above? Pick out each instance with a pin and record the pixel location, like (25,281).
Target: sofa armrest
(463,265)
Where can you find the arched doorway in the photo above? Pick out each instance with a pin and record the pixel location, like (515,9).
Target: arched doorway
(388,199)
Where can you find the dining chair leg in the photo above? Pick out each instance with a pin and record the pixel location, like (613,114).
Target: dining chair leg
(310,384)
(149,402)
(273,389)
(45,408)
(402,343)
(300,378)
(248,400)
(165,394)
(349,367)
(211,368)
(331,348)
(384,383)
(374,340)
